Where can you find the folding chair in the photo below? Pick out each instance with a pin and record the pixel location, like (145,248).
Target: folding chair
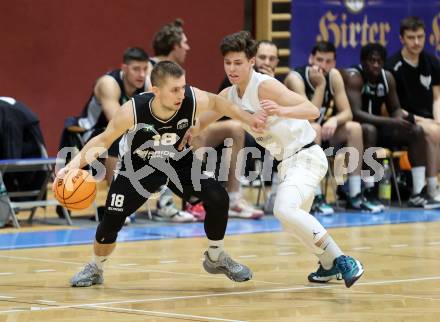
(45,164)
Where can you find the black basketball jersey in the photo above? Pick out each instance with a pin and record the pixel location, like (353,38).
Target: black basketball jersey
(92,116)
(327,108)
(152,137)
(414,83)
(373,95)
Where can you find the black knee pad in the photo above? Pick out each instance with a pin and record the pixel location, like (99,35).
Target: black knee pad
(217,195)
(106,234)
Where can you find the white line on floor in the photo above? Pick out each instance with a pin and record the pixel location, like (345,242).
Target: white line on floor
(399,245)
(434,243)
(128,264)
(158,313)
(47,301)
(44,270)
(6,297)
(275,290)
(361,248)
(247,256)
(286,254)
(168,262)
(7,273)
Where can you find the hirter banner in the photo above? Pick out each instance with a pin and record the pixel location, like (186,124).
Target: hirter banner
(351,24)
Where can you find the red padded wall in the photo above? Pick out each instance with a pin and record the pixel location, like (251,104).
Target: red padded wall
(53,50)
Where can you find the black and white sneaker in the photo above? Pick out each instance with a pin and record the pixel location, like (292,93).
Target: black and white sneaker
(168,212)
(360,203)
(371,196)
(423,200)
(320,206)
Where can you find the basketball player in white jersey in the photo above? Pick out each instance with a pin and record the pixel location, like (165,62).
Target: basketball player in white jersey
(290,139)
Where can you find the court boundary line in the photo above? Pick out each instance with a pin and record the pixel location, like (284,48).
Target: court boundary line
(208,295)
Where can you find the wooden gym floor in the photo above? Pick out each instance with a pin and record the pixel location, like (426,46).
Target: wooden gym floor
(163,280)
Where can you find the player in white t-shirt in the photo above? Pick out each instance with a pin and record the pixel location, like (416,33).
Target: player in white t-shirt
(290,139)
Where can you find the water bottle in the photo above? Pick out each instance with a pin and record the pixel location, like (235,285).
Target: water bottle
(385,185)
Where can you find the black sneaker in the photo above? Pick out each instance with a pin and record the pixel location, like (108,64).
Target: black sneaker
(359,202)
(371,196)
(320,206)
(423,200)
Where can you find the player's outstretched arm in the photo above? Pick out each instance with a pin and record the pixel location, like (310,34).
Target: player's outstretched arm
(219,106)
(119,124)
(277,99)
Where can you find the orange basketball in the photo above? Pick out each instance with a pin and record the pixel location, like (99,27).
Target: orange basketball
(76,191)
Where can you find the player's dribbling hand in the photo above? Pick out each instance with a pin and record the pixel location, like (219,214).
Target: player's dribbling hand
(60,174)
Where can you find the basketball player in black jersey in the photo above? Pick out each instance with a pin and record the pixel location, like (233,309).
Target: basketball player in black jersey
(170,43)
(153,126)
(322,83)
(110,92)
(369,86)
(417,75)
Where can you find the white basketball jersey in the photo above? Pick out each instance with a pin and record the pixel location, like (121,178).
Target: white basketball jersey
(283,137)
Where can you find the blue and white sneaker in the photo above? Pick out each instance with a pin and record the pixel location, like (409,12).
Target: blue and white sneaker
(350,269)
(323,275)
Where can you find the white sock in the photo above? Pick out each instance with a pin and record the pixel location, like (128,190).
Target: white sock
(354,185)
(432,185)
(234,197)
(215,247)
(331,251)
(418,178)
(318,190)
(369,182)
(99,261)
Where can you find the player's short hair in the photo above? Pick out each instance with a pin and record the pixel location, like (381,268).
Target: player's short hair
(239,42)
(324,47)
(134,53)
(169,35)
(266,42)
(412,23)
(165,69)
(368,50)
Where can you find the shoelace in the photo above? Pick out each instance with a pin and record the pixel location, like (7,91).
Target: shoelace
(232,265)
(89,268)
